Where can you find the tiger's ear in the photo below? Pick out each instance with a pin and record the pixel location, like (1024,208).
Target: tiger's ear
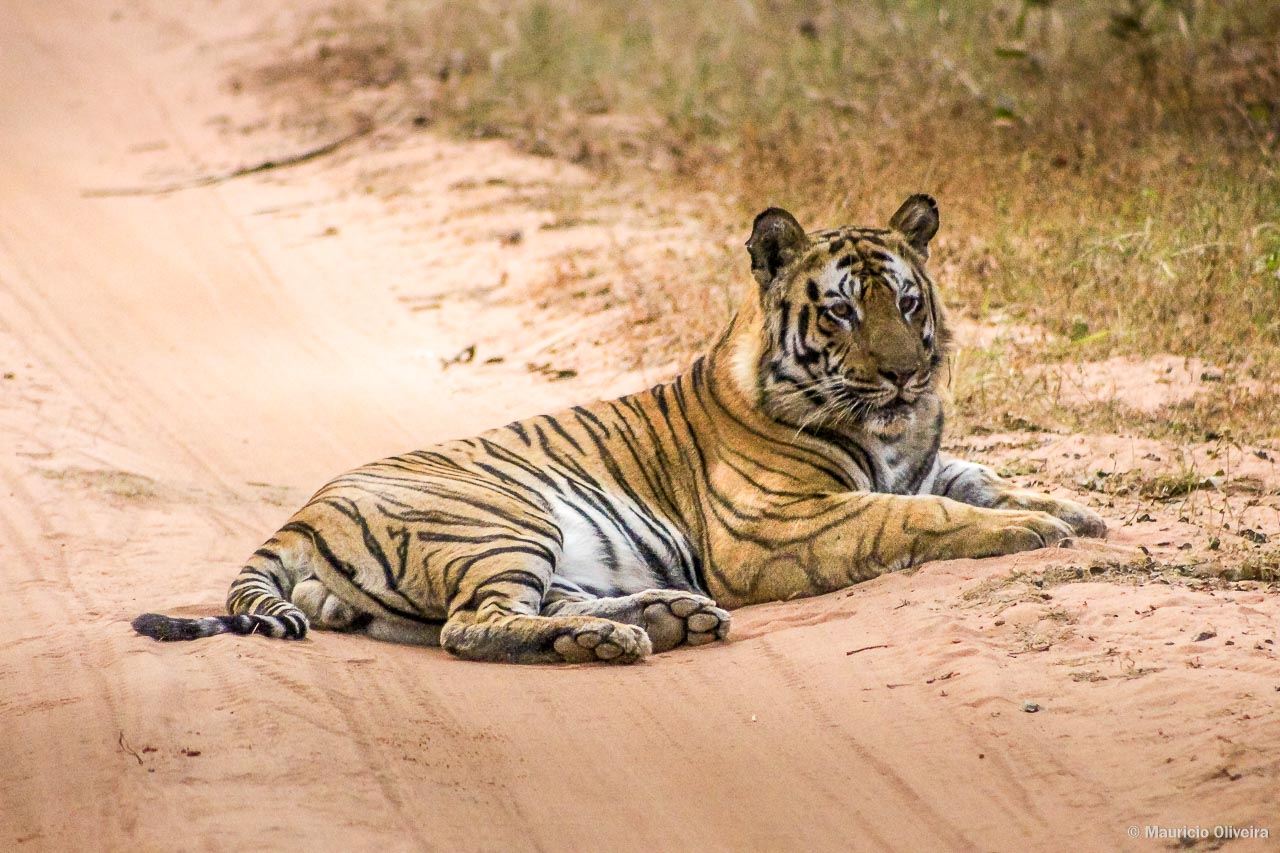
(776,240)
(917,220)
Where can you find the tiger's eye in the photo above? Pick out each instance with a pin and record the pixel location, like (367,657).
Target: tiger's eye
(908,304)
(840,310)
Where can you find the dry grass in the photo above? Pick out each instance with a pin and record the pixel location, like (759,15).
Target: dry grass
(1106,168)
(999,388)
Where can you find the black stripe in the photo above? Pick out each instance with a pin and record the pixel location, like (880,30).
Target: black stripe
(519,430)
(348,507)
(349,571)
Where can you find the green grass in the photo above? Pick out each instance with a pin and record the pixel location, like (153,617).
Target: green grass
(1106,169)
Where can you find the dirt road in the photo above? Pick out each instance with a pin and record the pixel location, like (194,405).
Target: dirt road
(181,369)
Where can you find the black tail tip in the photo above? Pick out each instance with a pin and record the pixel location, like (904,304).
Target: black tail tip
(291,626)
(166,628)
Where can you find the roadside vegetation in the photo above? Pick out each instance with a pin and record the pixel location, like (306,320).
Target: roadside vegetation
(1106,168)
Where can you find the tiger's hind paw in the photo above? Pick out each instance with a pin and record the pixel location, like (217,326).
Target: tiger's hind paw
(607,642)
(674,617)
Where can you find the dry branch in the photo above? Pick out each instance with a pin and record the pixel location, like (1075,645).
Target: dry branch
(217,178)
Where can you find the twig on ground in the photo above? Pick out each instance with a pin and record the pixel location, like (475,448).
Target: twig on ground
(867,649)
(464,356)
(208,180)
(126,748)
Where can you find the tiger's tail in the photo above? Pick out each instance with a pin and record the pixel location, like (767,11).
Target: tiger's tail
(258,604)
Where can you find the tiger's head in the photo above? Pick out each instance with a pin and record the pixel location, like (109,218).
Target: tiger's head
(853,331)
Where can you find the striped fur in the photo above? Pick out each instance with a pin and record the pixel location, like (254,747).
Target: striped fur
(798,456)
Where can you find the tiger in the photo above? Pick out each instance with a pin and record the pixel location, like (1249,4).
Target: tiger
(799,455)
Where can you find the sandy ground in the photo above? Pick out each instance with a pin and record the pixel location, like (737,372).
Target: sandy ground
(181,369)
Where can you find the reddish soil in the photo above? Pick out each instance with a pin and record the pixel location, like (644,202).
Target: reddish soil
(182,368)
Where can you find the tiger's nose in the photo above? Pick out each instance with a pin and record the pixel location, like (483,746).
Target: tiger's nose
(899,377)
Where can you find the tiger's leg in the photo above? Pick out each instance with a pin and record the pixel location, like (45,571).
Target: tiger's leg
(330,590)
(500,620)
(818,544)
(978,485)
(669,616)
(325,610)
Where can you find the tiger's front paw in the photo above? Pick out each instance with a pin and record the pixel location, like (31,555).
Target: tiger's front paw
(1008,531)
(1083,521)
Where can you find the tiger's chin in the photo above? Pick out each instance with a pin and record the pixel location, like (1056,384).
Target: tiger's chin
(892,419)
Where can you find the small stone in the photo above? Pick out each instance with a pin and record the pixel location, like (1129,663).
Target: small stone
(1031,707)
